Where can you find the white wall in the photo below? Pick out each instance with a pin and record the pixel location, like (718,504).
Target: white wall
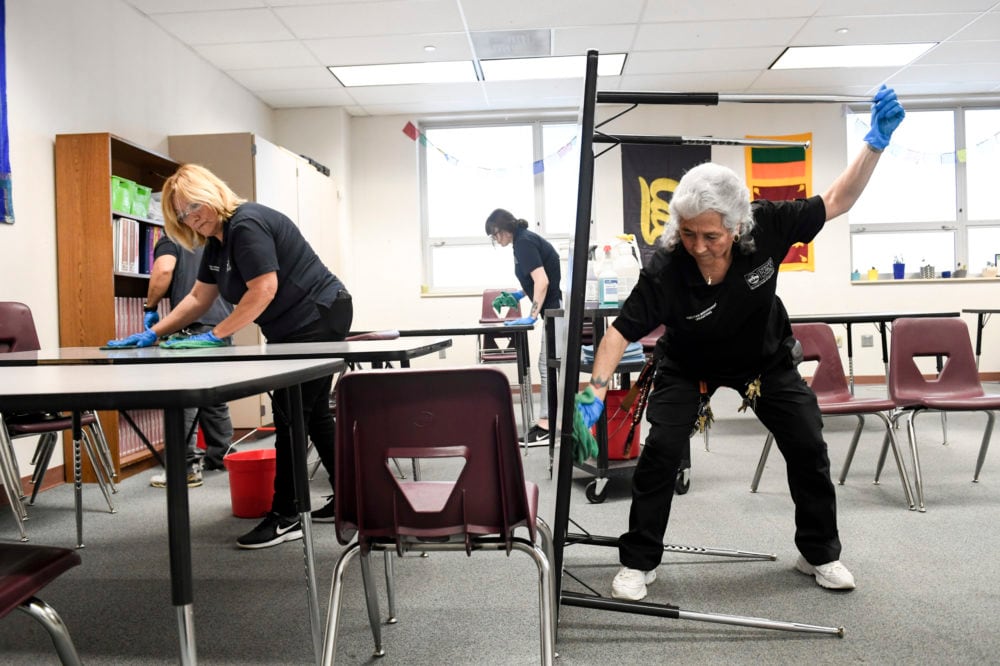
(94,66)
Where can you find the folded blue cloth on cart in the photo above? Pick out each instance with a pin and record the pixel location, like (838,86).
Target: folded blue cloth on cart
(633,353)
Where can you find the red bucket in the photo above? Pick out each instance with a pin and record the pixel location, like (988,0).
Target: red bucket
(619,423)
(251,481)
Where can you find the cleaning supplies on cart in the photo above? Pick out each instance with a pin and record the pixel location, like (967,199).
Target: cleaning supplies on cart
(607,280)
(592,294)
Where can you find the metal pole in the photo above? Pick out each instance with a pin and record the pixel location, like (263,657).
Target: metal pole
(697,141)
(713,99)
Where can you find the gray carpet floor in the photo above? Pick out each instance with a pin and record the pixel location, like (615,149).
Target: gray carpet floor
(927,582)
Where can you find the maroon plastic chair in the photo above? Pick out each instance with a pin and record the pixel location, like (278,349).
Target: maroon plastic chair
(489,350)
(833,393)
(24,570)
(956,388)
(448,418)
(18,333)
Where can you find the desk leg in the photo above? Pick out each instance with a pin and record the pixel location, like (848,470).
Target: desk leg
(980,323)
(850,358)
(179,532)
(883,328)
(78,477)
(553,388)
(524,376)
(300,474)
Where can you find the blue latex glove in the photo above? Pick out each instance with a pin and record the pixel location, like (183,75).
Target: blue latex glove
(887,113)
(150,319)
(145,339)
(589,406)
(194,342)
(519,322)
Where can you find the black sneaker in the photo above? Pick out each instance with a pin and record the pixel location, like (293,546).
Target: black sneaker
(271,531)
(210,465)
(324,514)
(536,434)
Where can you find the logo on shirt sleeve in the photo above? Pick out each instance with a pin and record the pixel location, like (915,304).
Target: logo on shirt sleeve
(760,275)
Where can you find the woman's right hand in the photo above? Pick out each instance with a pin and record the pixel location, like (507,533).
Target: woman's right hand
(144,339)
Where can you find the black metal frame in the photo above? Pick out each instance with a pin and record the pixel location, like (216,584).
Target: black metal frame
(571,362)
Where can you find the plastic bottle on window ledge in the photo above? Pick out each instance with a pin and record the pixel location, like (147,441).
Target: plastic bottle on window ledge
(626,256)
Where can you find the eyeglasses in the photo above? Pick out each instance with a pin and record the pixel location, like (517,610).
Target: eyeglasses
(191,208)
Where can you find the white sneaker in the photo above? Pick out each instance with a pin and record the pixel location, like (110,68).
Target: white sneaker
(160,480)
(832,575)
(631,584)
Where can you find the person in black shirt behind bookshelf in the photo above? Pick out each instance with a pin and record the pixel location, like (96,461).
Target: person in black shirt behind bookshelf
(256,258)
(173,273)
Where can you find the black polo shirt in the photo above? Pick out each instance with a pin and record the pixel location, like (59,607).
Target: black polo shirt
(530,252)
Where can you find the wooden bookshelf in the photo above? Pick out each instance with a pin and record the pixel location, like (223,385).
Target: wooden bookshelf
(88,285)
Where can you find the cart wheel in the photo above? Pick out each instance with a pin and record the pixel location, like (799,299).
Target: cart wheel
(683,482)
(593,495)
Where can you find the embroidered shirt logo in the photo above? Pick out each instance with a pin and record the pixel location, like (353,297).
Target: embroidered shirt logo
(701,315)
(760,275)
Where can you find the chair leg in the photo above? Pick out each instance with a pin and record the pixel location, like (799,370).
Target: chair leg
(336,597)
(371,601)
(105,450)
(545,601)
(890,440)
(43,454)
(918,482)
(49,618)
(99,471)
(852,448)
(548,547)
(760,464)
(990,418)
(390,587)
(6,472)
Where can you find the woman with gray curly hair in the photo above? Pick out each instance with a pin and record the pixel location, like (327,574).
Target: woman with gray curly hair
(713,285)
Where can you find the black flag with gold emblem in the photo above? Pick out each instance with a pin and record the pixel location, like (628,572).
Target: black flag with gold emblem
(649,177)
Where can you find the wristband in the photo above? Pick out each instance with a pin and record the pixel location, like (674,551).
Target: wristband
(146,307)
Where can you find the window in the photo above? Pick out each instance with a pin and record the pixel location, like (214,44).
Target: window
(530,168)
(930,200)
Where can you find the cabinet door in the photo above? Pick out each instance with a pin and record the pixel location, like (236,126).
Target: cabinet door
(275,180)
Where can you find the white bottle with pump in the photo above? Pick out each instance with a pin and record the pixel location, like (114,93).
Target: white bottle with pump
(626,263)
(607,280)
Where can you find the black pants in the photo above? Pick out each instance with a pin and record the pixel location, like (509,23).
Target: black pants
(332,326)
(787,407)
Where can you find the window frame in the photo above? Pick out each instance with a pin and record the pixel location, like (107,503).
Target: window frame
(539,224)
(961,224)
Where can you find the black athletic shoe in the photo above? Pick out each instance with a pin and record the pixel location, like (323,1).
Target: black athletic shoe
(536,434)
(324,514)
(271,531)
(210,465)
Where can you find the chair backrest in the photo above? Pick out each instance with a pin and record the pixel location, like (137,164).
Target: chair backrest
(829,382)
(423,413)
(374,335)
(17,328)
(947,337)
(490,315)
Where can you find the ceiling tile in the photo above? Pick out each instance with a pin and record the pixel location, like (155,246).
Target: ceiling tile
(285,78)
(224,27)
(380,49)
(653,62)
(391,17)
(822,31)
(519,14)
(716,34)
(315,97)
(672,10)
(260,54)
(606,39)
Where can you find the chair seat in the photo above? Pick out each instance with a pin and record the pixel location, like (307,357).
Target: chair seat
(856,406)
(956,404)
(25,569)
(36,424)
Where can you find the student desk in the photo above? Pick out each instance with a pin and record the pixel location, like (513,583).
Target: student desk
(159,361)
(982,316)
(519,338)
(880,319)
(160,386)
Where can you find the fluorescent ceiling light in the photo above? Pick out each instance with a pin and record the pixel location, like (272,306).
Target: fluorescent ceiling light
(459,71)
(554,67)
(859,55)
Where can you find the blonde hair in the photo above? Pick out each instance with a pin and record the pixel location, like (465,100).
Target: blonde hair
(195,184)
